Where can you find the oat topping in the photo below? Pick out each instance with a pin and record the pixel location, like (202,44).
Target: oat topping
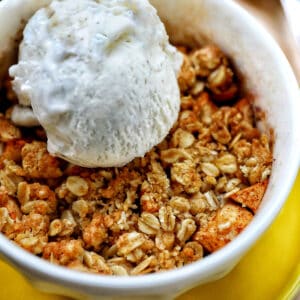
(186,198)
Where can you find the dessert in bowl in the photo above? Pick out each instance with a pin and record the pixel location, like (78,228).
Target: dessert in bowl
(189,23)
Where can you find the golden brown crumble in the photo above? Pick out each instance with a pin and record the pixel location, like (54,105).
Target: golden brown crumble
(188,197)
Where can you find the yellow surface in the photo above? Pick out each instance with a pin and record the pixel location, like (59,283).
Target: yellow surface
(271,270)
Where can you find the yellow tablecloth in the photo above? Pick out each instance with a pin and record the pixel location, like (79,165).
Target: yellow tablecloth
(271,270)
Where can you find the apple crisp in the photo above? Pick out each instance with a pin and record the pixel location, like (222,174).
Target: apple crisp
(188,197)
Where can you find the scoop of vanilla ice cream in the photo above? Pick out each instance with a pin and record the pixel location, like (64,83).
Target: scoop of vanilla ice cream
(100,77)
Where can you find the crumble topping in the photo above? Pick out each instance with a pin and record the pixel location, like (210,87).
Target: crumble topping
(186,198)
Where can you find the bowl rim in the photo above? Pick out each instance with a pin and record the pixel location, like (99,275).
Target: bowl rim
(35,266)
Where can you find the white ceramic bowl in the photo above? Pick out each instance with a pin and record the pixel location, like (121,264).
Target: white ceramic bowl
(269,77)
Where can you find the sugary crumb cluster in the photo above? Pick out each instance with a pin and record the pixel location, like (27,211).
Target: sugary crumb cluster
(188,197)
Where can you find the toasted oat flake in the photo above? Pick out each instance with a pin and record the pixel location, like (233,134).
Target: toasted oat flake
(129,241)
(77,185)
(142,266)
(148,223)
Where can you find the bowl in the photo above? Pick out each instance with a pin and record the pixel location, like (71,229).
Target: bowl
(268,77)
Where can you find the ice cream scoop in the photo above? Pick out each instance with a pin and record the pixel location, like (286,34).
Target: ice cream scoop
(100,77)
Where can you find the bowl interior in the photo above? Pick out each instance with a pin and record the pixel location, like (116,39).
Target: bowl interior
(13,17)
